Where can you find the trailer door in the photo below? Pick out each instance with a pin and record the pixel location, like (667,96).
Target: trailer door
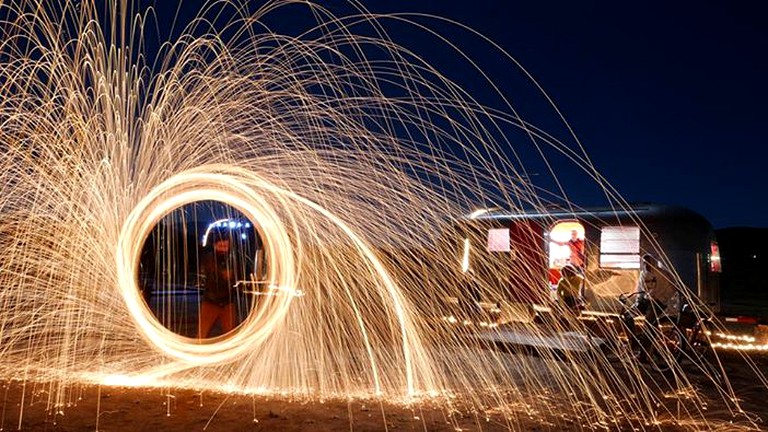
(566,245)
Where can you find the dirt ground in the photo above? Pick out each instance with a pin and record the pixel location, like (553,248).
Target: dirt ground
(26,406)
(141,409)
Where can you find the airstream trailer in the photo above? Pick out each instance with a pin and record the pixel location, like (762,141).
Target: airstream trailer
(517,256)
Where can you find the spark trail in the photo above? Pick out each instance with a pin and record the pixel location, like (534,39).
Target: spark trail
(352,156)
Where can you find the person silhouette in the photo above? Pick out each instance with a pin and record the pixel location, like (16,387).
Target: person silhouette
(576,245)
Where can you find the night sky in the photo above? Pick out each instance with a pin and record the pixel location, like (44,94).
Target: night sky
(668,98)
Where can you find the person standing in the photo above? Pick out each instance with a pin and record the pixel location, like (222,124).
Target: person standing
(576,246)
(222,271)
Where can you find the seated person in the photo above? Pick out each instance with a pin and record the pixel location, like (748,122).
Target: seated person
(657,291)
(569,286)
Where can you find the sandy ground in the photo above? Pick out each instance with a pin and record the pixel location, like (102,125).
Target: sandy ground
(137,409)
(151,409)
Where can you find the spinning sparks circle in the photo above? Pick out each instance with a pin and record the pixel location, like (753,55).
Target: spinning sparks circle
(185,188)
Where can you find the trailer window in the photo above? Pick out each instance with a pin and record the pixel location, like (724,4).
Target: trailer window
(498,240)
(620,247)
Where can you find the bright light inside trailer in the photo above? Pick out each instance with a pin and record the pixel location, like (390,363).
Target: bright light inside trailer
(715,265)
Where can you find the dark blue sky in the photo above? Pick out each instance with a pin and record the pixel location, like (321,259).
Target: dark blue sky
(670,99)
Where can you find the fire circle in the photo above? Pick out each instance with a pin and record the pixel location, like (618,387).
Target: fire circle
(215,184)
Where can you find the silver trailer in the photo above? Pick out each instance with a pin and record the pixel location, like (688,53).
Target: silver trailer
(516,256)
